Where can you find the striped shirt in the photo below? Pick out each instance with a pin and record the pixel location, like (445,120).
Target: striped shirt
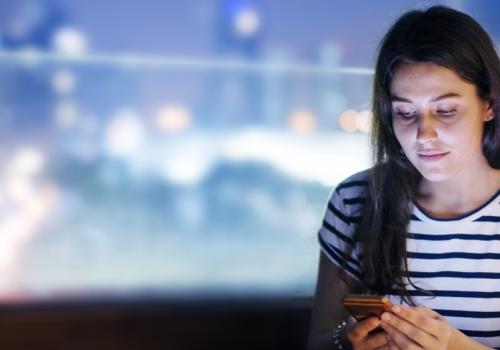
(457,259)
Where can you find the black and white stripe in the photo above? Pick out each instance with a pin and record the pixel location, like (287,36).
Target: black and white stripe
(457,261)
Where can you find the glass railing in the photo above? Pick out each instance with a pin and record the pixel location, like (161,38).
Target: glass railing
(167,175)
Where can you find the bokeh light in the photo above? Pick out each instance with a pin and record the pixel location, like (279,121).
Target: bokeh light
(70,41)
(63,81)
(363,121)
(173,118)
(302,121)
(247,22)
(348,120)
(26,162)
(124,134)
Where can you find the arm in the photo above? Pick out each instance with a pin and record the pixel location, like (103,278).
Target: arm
(327,310)
(464,342)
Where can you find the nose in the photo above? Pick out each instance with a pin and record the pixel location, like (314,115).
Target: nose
(427,130)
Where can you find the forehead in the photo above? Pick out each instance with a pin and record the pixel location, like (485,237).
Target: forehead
(418,79)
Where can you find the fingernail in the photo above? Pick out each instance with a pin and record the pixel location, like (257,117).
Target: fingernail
(396,309)
(386,316)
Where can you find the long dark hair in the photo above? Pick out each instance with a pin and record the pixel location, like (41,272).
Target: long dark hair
(441,36)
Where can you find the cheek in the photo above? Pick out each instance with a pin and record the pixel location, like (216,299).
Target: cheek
(464,136)
(405,136)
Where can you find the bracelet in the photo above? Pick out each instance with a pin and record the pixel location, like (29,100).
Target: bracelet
(337,335)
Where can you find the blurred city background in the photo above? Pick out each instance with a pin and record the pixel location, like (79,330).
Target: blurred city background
(180,147)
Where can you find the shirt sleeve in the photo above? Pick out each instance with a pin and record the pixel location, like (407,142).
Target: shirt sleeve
(336,236)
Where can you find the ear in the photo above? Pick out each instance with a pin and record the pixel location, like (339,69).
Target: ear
(488,113)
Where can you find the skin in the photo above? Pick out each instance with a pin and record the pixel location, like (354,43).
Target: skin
(419,328)
(436,112)
(416,328)
(359,336)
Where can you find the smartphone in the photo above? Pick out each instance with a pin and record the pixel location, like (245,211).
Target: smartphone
(364,306)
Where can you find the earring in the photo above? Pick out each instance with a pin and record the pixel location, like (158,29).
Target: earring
(490,117)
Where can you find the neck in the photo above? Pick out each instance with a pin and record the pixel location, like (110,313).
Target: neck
(461,194)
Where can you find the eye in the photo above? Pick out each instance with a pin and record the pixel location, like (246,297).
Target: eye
(446,112)
(406,114)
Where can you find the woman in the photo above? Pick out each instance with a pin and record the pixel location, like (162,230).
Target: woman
(422,226)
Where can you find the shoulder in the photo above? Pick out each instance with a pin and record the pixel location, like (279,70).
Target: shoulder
(347,199)
(342,215)
(355,186)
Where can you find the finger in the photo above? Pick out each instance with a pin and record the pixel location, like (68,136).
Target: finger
(421,319)
(428,311)
(361,329)
(411,331)
(391,343)
(379,339)
(400,339)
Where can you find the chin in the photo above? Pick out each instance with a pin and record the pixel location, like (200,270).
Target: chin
(433,173)
(435,176)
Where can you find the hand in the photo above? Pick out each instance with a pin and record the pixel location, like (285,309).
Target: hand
(360,338)
(418,328)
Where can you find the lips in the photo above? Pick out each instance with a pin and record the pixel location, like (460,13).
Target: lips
(432,155)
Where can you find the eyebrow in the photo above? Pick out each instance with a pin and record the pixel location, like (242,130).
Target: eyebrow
(441,97)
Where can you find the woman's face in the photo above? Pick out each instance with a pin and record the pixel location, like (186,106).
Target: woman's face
(438,119)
